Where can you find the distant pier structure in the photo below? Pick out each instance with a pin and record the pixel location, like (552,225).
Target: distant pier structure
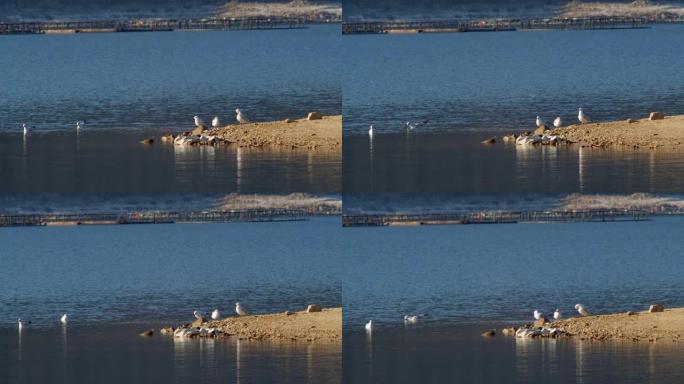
(411,26)
(151,25)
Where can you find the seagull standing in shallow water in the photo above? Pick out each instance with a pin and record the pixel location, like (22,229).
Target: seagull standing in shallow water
(556,314)
(557,122)
(64,319)
(410,319)
(582,311)
(241,118)
(25,128)
(371,131)
(80,124)
(20,323)
(216,122)
(582,117)
(215,315)
(240,310)
(369,325)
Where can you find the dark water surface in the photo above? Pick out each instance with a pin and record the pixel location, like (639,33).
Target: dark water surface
(136,85)
(472,86)
(117,354)
(460,354)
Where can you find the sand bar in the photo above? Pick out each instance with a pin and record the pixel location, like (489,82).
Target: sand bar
(324,134)
(667,133)
(667,326)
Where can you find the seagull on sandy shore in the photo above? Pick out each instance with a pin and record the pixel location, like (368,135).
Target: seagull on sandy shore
(538,315)
(240,310)
(557,122)
(582,117)
(410,319)
(369,325)
(241,118)
(539,121)
(197,314)
(216,122)
(198,121)
(556,314)
(582,310)
(64,319)
(215,315)
(371,131)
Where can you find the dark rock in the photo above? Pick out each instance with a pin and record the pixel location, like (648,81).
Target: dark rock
(168,137)
(147,141)
(314,116)
(656,308)
(288,121)
(630,313)
(147,333)
(509,331)
(491,140)
(288,313)
(489,333)
(167,331)
(314,308)
(630,121)
(656,116)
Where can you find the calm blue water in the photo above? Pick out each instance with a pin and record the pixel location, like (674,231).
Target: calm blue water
(161,273)
(472,86)
(160,80)
(501,273)
(501,81)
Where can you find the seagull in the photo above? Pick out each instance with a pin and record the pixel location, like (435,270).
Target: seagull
(556,314)
(557,122)
(242,119)
(215,315)
(539,122)
(80,124)
(410,125)
(64,319)
(582,117)
(411,319)
(580,308)
(25,128)
(240,310)
(198,121)
(216,122)
(197,314)
(538,315)
(371,131)
(369,325)
(20,323)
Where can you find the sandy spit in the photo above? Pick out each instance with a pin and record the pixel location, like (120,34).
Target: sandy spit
(667,133)
(325,326)
(665,326)
(324,134)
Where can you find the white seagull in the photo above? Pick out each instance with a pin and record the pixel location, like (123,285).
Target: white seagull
(582,117)
(538,315)
(411,319)
(369,325)
(240,310)
(582,311)
(25,128)
(197,314)
(371,131)
(556,314)
(215,315)
(80,124)
(410,125)
(20,323)
(241,118)
(216,122)
(539,121)
(64,318)
(557,122)
(198,121)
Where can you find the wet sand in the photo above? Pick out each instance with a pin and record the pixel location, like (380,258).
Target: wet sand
(667,133)
(665,326)
(324,134)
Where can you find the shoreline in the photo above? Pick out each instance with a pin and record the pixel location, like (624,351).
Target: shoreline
(317,325)
(659,325)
